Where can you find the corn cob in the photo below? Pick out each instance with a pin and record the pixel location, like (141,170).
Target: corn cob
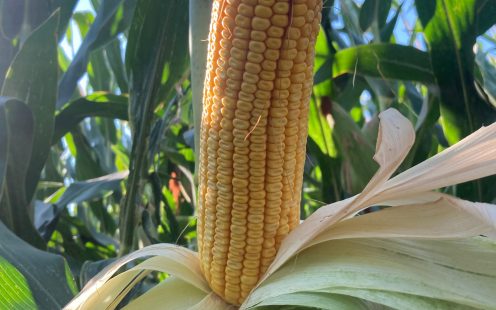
(253,136)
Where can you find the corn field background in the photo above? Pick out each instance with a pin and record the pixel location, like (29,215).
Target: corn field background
(97,128)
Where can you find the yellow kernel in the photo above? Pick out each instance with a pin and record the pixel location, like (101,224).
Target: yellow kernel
(257,47)
(258,35)
(282,83)
(234,74)
(258,23)
(279,20)
(230,11)
(254,57)
(262,94)
(246,96)
(275,32)
(240,43)
(253,67)
(294,33)
(242,21)
(281,8)
(248,87)
(284,64)
(263,11)
(265,85)
(250,77)
(238,53)
(224,43)
(298,21)
(273,43)
(241,124)
(244,105)
(234,84)
(245,10)
(268,3)
(228,22)
(241,33)
(236,64)
(267,75)
(299,9)
(310,15)
(271,54)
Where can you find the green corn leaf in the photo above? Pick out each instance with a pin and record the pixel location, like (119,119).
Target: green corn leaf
(35,83)
(374,11)
(153,67)
(97,104)
(451,28)
(46,274)
(14,206)
(385,61)
(15,289)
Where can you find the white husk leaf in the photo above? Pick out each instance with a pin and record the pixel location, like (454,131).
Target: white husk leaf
(445,218)
(170,294)
(384,257)
(177,261)
(472,158)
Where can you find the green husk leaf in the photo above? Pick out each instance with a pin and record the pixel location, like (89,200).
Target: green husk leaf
(314,300)
(435,270)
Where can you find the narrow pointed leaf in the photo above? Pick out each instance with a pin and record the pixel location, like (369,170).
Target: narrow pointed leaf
(96,104)
(156,55)
(76,192)
(374,11)
(36,12)
(14,206)
(451,28)
(113,17)
(385,61)
(35,83)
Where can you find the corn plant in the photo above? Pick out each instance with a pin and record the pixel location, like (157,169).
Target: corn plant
(297,154)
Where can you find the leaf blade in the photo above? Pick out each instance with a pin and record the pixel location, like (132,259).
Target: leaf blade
(35,83)
(384,60)
(46,273)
